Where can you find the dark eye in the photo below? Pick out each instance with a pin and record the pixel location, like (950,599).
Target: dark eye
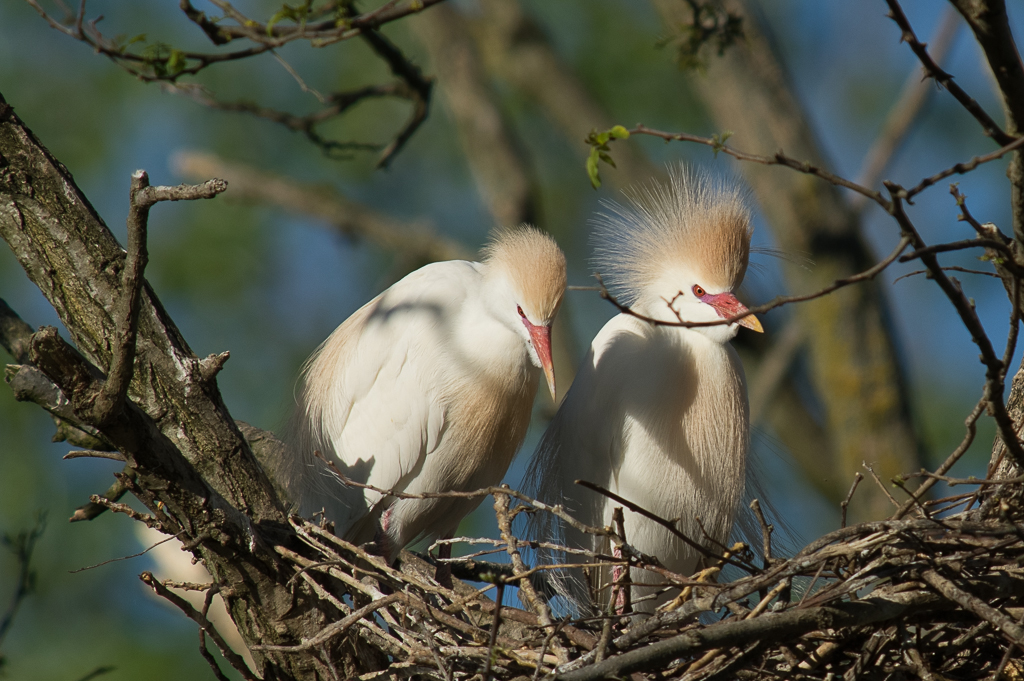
(519,309)
(698,291)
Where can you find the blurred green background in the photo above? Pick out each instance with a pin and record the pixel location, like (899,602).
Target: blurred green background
(269,285)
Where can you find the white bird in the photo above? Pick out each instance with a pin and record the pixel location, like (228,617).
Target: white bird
(658,414)
(427,388)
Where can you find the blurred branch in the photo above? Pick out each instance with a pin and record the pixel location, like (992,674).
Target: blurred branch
(904,113)
(774,368)
(515,48)
(167,64)
(496,157)
(416,241)
(159,62)
(498,160)
(417,90)
(21,545)
(855,369)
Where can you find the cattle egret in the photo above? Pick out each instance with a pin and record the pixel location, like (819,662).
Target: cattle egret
(427,388)
(658,414)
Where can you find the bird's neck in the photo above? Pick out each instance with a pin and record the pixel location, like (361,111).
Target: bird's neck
(485,343)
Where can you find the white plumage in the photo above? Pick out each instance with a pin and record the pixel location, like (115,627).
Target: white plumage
(658,414)
(427,388)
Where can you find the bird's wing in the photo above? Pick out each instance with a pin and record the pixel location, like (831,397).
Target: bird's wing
(376,385)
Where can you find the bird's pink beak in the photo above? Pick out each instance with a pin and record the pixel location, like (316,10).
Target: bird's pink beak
(541,338)
(728,306)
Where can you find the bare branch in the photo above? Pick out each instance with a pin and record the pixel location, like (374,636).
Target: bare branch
(905,111)
(944,79)
(199,618)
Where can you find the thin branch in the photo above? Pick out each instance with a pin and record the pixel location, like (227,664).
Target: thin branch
(114,493)
(766,531)
(955,246)
(947,268)
(994,369)
(944,79)
(495,625)
(1011,629)
(846,502)
(143,196)
(667,524)
(22,545)
(529,595)
(778,159)
(905,111)
(963,168)
(335,628)
(776,302)
(199,618)
(129,557)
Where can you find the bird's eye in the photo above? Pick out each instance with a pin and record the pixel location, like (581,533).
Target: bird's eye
(519,309)
(698,291)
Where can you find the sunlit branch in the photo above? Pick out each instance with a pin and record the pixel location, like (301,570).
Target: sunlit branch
(944,79)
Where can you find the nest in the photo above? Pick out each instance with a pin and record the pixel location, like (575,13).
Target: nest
(936,594)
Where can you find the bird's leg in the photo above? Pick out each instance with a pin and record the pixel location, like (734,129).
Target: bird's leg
(381,539)
(618,571)
(443,572)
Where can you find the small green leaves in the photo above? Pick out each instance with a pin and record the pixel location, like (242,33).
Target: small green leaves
(175,62)
(121,43)
(718,141)
(296,14)
(711,25)
(598,142)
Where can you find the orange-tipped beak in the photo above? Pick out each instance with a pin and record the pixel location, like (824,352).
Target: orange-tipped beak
(541,338)
(728,306)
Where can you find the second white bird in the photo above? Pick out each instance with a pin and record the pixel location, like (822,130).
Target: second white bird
(658,414)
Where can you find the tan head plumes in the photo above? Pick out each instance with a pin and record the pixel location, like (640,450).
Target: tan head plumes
(694,222)
(534,265)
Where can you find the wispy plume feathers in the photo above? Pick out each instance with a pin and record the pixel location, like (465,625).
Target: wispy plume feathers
(696,222)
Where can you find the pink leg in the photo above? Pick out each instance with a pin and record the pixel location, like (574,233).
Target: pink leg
(617,572)
(443,573)
(381,539)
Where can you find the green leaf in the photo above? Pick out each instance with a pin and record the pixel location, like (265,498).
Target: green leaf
(592,171)
(176,62)
(287,12)
(619,133)
(718,141)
